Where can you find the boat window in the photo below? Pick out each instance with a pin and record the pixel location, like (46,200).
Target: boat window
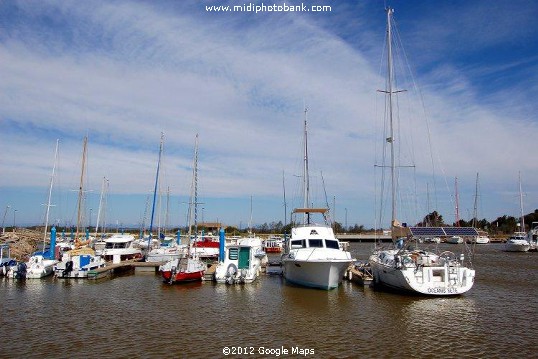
(298,243)
(315,243)
(329,243)
(233,253)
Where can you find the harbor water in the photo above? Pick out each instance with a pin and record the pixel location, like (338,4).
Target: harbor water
(138,316)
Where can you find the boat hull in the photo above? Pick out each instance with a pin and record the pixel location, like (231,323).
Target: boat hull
(516,247)
(430,279)
(182,270)
(38,267)
(78,266)
(320,274)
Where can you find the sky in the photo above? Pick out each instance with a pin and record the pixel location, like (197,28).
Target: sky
(123,72)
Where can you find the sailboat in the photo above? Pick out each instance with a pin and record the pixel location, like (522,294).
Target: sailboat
(405,267)
(518,240)
(41,264)
(482,237)
(171,250)
(189,268)
(312,256)
(77,262)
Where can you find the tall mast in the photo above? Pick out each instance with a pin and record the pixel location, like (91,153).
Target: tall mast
(155,190)
(475,209)
(50,193)
(306,179)
(80,188)
(390,72)
(285,204)
(194,192)
(104,187)
(457,206)
(522,220)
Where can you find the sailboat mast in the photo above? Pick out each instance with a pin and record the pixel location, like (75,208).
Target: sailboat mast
(155,190)
(80,187)
(390,72)
(475,209)
(100,205)
(457,207)
(194,191)
(521,204)
(50,193)
(285,204)
(306,179)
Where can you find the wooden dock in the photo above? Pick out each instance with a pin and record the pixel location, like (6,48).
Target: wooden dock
(115,268)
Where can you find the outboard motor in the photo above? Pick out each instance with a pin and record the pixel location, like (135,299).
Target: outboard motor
(21,271)
(68,268)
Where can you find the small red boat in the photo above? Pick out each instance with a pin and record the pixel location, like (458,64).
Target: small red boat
(180,270)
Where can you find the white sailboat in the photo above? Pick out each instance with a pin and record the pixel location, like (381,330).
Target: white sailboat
(42,264)
(518,240)
(165,250)
(76,263)
(312,256)
(404,267)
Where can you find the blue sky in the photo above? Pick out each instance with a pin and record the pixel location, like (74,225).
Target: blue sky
(122,72)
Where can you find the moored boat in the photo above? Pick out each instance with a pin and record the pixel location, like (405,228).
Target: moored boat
(120,247)
(517,243)
(6,262)
(242,262)
(273,244)
(76,263)
(405,267)
(312,256)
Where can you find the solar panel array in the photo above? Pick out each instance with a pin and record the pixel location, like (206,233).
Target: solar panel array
(443,231)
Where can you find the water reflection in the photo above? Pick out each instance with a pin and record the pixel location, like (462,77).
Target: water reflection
(140,316)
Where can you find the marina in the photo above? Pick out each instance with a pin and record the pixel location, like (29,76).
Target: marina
(349,321)
(149,277)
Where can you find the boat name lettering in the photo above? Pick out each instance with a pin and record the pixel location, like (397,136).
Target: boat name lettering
(442,290)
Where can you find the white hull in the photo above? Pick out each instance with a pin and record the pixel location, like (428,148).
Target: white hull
(517,243)
(481,240)
(165,254)
(455,240)
(77,266)
(314,259)
(242,263)
(428,274)
(516,247)
(320,274)
(38,267)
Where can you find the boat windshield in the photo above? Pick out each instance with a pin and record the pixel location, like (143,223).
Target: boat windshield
(315,243)
(298,243)
(112,245)
(329,243)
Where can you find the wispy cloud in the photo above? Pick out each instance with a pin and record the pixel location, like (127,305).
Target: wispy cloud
(122,72)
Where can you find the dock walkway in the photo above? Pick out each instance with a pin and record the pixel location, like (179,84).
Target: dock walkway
(123,266)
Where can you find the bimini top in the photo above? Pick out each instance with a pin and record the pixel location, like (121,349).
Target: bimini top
(443,231)
(310,210)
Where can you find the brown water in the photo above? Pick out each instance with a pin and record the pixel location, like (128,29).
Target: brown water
(139,316)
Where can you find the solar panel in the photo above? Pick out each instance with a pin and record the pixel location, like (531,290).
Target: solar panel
(460,231)
(427,231)
(443,231)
